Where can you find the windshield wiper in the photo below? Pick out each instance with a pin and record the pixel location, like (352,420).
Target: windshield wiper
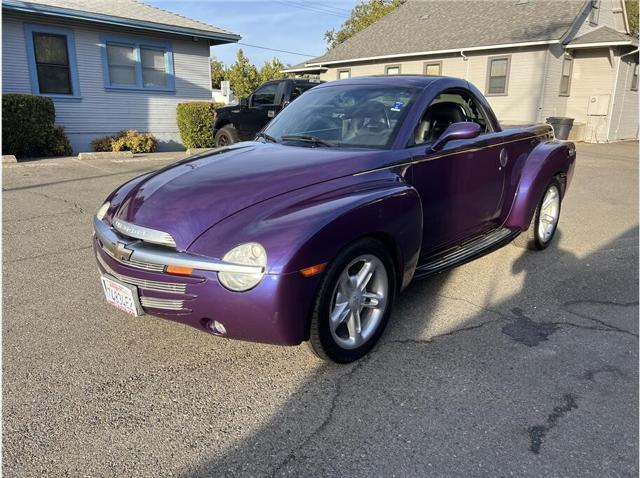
(266,136)
(307,138)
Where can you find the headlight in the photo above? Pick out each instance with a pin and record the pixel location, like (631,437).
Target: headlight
(103,210)
(252,254)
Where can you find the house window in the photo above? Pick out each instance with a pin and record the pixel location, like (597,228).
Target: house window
(433,68)
(498,75)
(344,74)
(52,61)
(634,78)
(392,70)
(565,78)
(137,65)
(595,12)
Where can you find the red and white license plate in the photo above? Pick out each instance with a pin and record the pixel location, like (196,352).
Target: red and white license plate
(122,296)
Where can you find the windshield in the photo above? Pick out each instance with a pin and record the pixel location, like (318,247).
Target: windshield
(362,116)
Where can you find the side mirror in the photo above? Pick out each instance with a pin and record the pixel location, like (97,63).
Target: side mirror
(464,130)
(244,102)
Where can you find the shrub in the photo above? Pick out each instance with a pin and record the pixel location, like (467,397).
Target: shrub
(59,144)
(129,140)
(27,127)
(195,123)
(102,144)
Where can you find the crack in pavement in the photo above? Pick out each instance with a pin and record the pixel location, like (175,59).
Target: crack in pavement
(591,373)
(567,307)
(327,419)
(74,205)
(538,432)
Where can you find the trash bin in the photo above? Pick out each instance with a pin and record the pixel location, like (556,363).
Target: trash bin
(561,126)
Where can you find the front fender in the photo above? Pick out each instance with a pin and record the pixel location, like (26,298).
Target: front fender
(311,225)
(547,160)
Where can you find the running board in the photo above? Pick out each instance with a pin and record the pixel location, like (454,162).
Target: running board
(467,252)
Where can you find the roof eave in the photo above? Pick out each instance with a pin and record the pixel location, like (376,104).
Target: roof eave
(602,44)
(305,69)
(118,21)
(438,52)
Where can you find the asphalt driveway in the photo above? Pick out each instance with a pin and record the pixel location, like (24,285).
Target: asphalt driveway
(519,363)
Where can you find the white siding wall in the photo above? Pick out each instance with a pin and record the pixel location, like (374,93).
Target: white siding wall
(525,78)
(102,111)
(592,76)
(624,117)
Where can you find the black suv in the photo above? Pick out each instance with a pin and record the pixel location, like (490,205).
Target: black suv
(243,121)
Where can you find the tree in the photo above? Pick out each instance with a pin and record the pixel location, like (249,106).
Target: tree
(271,70)
(364,14)
(243,76)
(218,73)
(632,16)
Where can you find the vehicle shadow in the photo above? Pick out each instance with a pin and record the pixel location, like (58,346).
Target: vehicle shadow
(477,367)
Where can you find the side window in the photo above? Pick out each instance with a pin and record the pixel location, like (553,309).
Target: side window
(634,78)
(52,61)
(433,68)
(265,95)
(565,78)
(135,64)
(344,74)
(445,109)
(594,15)
(497,75)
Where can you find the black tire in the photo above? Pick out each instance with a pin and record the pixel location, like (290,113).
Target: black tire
(321,340)
(530,239)
(226,136)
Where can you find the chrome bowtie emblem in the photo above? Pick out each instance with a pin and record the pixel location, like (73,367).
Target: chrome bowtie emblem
(121,252)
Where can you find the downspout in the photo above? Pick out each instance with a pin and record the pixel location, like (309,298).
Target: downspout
(613,97)
(465,58)
(544,84)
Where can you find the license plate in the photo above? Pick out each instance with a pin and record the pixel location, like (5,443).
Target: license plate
(122,296)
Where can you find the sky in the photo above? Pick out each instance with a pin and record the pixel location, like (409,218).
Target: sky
(293,25)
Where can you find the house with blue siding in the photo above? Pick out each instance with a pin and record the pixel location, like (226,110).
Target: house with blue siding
(108,65)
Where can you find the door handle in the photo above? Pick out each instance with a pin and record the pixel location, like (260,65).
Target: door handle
(503,158)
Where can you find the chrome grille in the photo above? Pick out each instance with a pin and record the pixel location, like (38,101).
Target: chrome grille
(156,303)
(176,288)
(137,264)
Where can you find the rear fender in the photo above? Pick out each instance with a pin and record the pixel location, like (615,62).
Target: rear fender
(546,160)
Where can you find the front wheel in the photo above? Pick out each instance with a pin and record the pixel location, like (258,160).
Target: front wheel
(226,136)
(353,303)
(545,220)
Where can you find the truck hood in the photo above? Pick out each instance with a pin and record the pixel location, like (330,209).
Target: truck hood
(187,198)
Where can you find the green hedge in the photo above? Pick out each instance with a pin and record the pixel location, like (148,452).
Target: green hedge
(27,127)
(195,123)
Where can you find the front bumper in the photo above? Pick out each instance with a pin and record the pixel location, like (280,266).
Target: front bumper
(275,311)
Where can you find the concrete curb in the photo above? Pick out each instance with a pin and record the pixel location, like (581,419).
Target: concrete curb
(106,155)
(9,158)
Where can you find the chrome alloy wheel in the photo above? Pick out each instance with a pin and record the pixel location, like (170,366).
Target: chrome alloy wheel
(549,213)
(359,301)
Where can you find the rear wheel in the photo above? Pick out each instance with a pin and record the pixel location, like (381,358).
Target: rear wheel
(545,220)
(353,303)
(226,136)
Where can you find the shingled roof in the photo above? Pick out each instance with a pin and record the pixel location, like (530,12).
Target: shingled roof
(603,35)
(131,13)
(421,26)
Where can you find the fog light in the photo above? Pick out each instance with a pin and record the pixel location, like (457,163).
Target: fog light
(216,327)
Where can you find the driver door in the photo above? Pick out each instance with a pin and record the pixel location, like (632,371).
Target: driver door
(461,185)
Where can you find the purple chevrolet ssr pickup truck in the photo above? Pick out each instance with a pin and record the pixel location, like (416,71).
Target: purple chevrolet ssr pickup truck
(309,232)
